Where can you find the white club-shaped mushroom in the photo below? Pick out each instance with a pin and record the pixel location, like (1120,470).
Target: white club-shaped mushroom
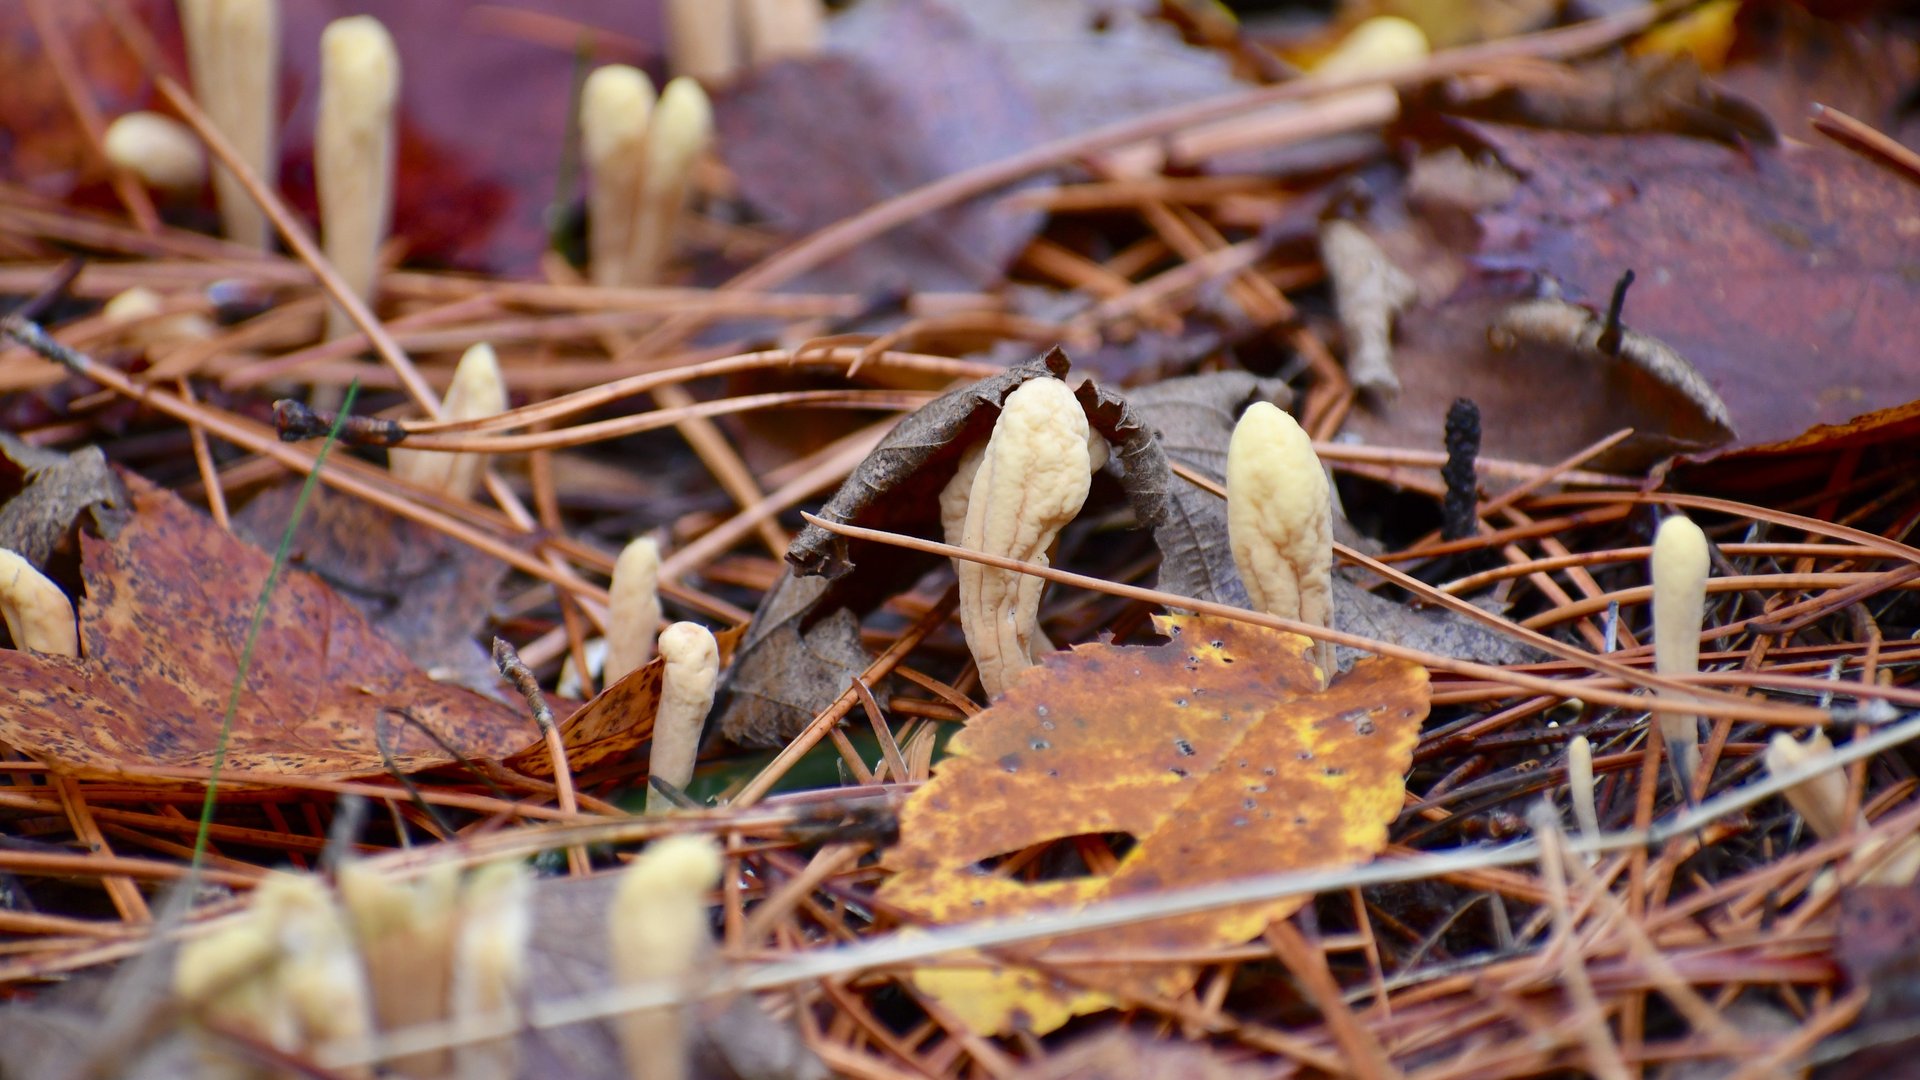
(476,392)
(38,614)
(353,151)
(633,609)
(164,153)
(678,133)
(490,964)
(1580,786)
(405,931)
(777,28)
(615,104)
(1280,518)
(658,931)
(686,696)
(1033,478)
(703,38)
(1821,799)
(320,974)
(233,49)
(1680,568)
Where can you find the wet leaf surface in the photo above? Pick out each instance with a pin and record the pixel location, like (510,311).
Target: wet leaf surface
(1218,752)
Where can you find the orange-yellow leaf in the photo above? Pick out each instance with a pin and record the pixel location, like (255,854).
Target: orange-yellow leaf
(1218,752)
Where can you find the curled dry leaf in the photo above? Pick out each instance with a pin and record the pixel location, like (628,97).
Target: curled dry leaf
(1217,753)
(44,492)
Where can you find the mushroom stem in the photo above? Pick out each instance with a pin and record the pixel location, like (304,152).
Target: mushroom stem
(284,971)
(1821,801)
(477,391)
(1680,568)
(633,609)
(703,38)
(658,930)
(490,964)
(777,28)
(1370,291)
(679,132)
(38,614)
(1280,519)
(353,151)
(161,151)
(233,49)
(1580,785)
(405,930)
(686,696)
(615,103)
(1032,479)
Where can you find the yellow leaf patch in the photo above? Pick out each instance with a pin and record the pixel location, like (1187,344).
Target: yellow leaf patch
(1217,752)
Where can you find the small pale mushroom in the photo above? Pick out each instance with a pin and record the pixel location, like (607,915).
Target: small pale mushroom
(777,28)
(1382,43)
(162,152)
(476,392)
(703,38)
(233,49)
(1370,291)
(1580,785)
(1032,479)
(633,609)
(1680,567)
(490,964)
(1821,801)
(659,932)
(1280,519)
(228,979)
(38,614)
(686,696)
(285,971)
(353,151)
(155,330)
(678,133)
(405,931)
(615,104)
(321,973)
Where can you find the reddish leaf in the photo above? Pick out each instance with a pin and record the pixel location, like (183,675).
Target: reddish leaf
(1773,272)
(163,626)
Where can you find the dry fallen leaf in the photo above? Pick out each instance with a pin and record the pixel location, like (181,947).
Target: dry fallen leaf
(424,591)
(907,93)
(46,492)
(162,627)
(1217,752)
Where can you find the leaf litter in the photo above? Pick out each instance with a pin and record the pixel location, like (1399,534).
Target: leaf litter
(1517,186)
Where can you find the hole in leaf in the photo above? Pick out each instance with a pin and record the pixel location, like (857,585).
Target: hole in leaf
(1077,856)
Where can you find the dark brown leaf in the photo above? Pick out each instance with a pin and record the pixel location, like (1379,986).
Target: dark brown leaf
(49,491)
(425,592)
